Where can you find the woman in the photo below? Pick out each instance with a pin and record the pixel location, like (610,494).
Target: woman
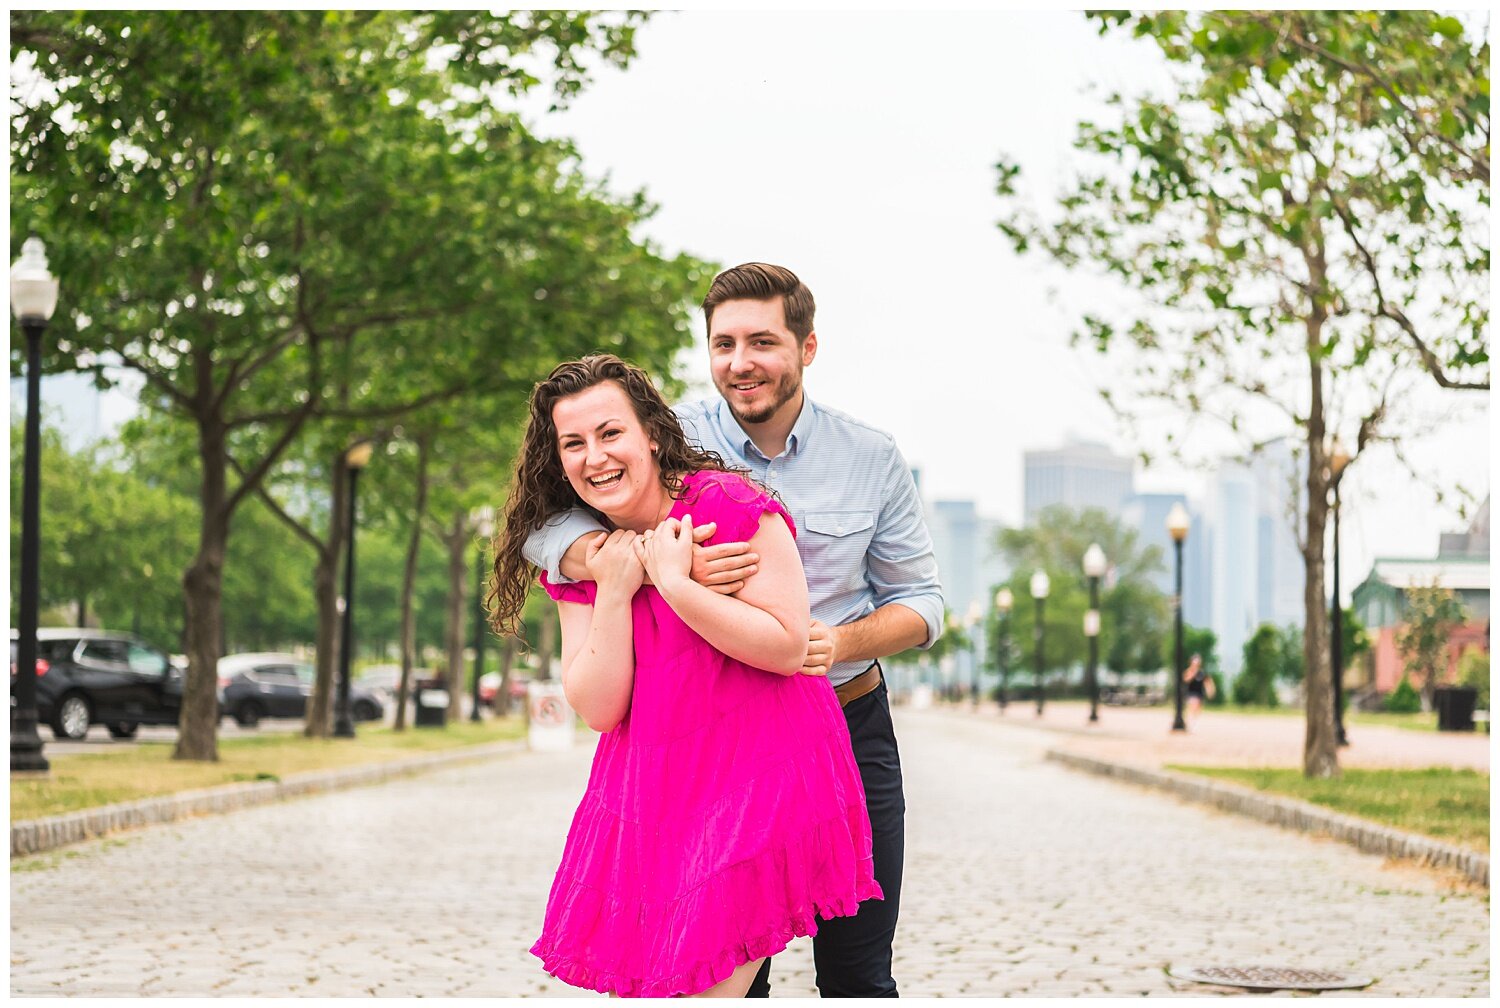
(1199,687)
(724,812)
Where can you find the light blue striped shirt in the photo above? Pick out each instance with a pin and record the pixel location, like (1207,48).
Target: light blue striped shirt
(860,531)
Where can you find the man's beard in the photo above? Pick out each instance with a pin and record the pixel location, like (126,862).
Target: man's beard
(787,387)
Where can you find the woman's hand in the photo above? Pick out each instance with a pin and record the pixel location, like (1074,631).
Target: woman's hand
(614,564)
(667,552)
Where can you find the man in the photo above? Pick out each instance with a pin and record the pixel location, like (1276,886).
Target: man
(871,575)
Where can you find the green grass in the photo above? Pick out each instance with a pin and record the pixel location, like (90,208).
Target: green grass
(147,770)
(1420,721)
(1440,802)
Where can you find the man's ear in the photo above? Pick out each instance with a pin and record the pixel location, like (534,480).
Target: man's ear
(809,348)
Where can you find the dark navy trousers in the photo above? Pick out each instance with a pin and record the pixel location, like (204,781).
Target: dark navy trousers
(852,955)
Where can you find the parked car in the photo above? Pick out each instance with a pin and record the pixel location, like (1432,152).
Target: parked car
(270,684)
(489,685)
(87,677)
(386,678)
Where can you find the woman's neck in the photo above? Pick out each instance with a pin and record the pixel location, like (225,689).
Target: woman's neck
(647,515)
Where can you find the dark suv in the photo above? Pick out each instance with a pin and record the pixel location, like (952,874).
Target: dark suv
(272,684)
(87,677)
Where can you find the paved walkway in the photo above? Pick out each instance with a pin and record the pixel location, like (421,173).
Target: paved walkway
(1022,878)
(1219,737)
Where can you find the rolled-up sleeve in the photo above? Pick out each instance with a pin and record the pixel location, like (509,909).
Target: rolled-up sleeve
(545,546)
(901,564)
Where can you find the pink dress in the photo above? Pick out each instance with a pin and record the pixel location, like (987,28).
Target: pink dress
(722,816)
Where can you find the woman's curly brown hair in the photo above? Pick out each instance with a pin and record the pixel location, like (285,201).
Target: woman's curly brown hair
(539,490)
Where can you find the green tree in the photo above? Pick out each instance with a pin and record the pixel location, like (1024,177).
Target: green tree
(1264,659)
(1474,671)
(1432,614)
(209,179)
(1277,216)
(1134,615)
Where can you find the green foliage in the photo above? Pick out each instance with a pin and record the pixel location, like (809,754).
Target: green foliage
(1292,667)
(281,217)
(1256,683)
(117,529)
(1220,697)
(1432,613)
(1134,615)
(111,541)
(1355,638)
(1403,699)
(1474,671)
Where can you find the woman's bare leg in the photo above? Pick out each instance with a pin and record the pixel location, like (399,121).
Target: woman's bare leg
(737,983)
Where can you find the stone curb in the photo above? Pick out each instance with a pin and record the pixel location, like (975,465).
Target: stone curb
(34,836)
(1291,813)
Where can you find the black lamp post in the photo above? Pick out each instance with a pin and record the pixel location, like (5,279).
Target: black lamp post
(1177,527)
(1338,460)
(1094,565)
(484,525)
(355,459)
(1040,586)
(33,299)
(1003,601)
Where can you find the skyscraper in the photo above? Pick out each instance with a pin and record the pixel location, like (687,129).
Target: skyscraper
(1080,474)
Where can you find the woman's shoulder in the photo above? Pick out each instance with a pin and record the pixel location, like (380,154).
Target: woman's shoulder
(731,499)
(722,489)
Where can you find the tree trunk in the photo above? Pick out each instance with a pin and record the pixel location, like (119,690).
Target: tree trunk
(319,722)
(83,613)
(456,540)
(325,588)
(1320,745)
(546,642)
(507,662)
(409,587)
(203,586)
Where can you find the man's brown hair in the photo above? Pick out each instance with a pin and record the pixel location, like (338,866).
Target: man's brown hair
(763,282)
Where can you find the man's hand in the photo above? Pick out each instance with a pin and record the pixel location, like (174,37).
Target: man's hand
(820,650)
(722,568)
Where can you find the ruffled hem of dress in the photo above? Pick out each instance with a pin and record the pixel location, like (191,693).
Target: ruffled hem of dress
(702,975)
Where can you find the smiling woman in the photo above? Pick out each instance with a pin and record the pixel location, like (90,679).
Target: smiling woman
(675,882)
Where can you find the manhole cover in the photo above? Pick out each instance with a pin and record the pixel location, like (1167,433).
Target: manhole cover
(1269,977)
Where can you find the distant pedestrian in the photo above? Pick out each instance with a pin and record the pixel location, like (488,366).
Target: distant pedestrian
(1200,686)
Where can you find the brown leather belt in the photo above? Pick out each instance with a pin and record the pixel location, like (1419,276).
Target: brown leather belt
(861,685)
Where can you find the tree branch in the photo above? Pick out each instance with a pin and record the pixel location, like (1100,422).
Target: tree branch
(1395,314)
(252,480)
(280,512)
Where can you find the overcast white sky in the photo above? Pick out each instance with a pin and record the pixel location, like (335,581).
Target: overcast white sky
(857,149)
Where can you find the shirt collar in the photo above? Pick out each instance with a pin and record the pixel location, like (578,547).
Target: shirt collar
(735,434)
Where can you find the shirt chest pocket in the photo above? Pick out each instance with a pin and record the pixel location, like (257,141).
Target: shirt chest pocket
(840,530)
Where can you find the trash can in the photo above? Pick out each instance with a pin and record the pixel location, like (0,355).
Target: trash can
(1455,707)
(432,703)
(549,719)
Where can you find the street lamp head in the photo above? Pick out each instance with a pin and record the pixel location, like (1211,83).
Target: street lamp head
(1177,522)
(484,520)
(975,613)
(33,290)
(1041,584)
(1004,600)
(1094,562)
(358,456)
